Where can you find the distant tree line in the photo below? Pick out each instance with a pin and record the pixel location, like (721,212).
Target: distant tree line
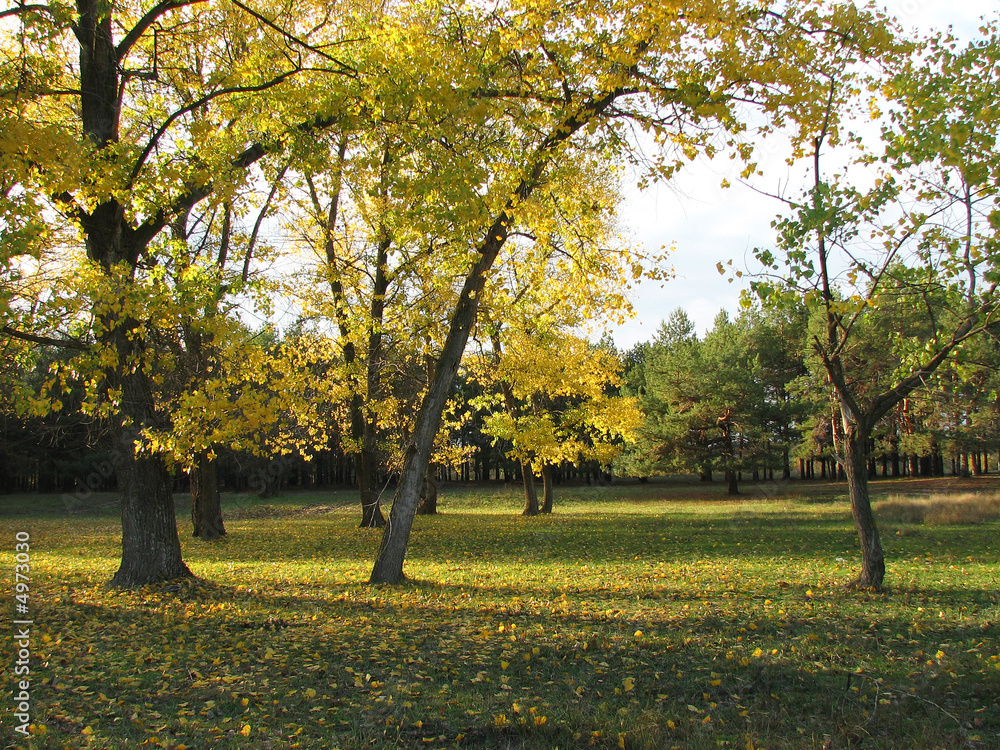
(736,404)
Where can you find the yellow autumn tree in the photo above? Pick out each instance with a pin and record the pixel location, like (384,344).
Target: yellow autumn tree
(119,118)
(558,405)
(566,82)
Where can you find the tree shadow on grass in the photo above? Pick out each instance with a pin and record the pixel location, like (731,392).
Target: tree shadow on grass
(856,673)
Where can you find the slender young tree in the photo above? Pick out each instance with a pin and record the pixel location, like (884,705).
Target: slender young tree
(919,240)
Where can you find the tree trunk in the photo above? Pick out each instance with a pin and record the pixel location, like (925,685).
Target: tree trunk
(388,567)
(732,482)
(548,477)
(855,451)
(206,503)
(366,468)
(364,426)
(429,496)
(530,490)
(151,548)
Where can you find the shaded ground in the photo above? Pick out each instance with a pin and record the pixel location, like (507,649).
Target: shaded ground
(638,616)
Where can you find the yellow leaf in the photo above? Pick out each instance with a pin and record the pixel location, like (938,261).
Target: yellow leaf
(629,684)
(87,730)
(245,731)
(310,693)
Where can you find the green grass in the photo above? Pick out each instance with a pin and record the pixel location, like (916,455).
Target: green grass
(646,616)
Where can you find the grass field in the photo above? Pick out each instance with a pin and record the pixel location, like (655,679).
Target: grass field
(645,616)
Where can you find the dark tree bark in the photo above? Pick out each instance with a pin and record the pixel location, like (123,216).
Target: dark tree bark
(151,548)
(530,490)
(732,477)
(429,495)
(548,478)
(732,482)
(206,502)
(855,446)
(366,468)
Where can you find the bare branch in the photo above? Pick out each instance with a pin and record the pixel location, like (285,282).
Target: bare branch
(197,104)
(260,220)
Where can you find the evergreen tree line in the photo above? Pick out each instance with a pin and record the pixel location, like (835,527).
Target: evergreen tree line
(749,401)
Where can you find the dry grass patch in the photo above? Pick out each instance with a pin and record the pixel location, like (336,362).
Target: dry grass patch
(942,510)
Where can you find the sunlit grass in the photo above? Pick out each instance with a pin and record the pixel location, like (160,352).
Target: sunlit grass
(644,616)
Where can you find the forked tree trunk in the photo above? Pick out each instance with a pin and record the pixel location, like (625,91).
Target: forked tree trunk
(855,452)
(530,490)
(366,467)
(206,503)
(548,476)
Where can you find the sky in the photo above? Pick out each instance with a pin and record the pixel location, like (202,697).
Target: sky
(708,224)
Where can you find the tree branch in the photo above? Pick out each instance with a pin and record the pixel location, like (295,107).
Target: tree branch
(133,36)
(22,9)
(66,343)
(155,139)
(292,38)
